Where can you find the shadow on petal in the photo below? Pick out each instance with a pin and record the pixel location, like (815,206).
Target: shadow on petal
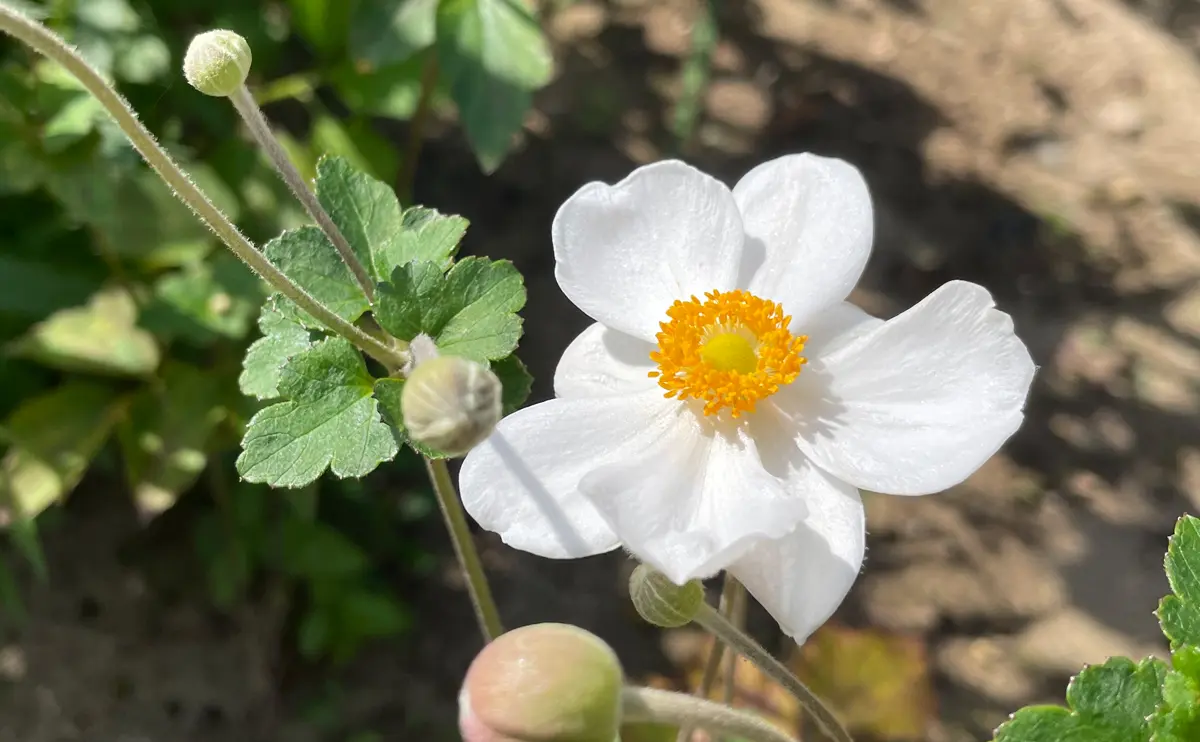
(559,521)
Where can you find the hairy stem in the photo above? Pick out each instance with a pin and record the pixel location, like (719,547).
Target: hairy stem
(46,42)
(742,644)
(248,109)
(735,611)
(653,706)
(464,548)
(416,129)
(713,664)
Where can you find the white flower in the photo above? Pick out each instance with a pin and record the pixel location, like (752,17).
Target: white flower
(728,403)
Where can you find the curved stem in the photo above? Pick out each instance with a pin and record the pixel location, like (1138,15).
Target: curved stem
(736,612)
(712,665)
(650,705)
(48,43)
(753,651)
(248,109)
(464,547)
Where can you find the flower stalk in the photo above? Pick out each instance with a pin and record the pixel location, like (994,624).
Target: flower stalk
(46,42)
(244,103)
(742,644)
(716,654)
(651,706)
(464,548)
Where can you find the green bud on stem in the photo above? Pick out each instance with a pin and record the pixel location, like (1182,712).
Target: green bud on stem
(450,404)
(217,63)
(660,601)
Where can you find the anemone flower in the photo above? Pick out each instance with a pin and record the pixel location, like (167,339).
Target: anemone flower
(728,404)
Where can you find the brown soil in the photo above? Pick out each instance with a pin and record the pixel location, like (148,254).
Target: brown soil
(1046,149)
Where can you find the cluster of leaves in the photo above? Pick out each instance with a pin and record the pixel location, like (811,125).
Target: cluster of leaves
(1124,701)
(331,410)
(119,323)
(122,321)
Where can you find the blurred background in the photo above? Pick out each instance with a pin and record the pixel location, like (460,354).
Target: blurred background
(1047,149)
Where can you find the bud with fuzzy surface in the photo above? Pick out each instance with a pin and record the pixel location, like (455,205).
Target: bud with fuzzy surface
(217,63)
(542,683)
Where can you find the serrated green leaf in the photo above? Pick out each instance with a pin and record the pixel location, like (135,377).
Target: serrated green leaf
(495,55)
(516,382)
(426,235)
(329,421)
(1112,702)
(282,338)
(165,437)
(388,392)
(53,439)
(384,32)
(1178,716)
(383,236)
(1180,613)
(100,338)
(308,258)
(469,312)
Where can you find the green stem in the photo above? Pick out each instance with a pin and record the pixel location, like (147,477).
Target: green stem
(244,104)
(720,627)
(464,548)
(653,706)
(46,42)
(416,130)
(735,593)
(713,664)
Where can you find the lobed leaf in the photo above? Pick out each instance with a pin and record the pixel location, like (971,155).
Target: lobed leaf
(469,312)
(282,338)
(329,421)
(1113,702)
(1179,614)
(383,235)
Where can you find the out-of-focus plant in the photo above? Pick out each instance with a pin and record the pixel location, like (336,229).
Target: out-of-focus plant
(122,325)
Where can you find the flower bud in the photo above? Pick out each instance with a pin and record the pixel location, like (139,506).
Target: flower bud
(542,683)
(660,601)
(217,63)
(450,404)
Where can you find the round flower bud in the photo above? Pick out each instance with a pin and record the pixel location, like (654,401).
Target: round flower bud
(660,601)
(450,404)
(217,63)
(543,683)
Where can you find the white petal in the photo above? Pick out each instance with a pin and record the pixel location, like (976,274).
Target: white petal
(835,326)
(693,499)
(601,362)
(803,577)
(809,226)
(523,481)
(918,403)
(624,253)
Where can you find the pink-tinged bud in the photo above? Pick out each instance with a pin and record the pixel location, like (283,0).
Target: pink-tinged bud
(542,683)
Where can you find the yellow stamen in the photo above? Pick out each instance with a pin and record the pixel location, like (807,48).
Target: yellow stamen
(730,350)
